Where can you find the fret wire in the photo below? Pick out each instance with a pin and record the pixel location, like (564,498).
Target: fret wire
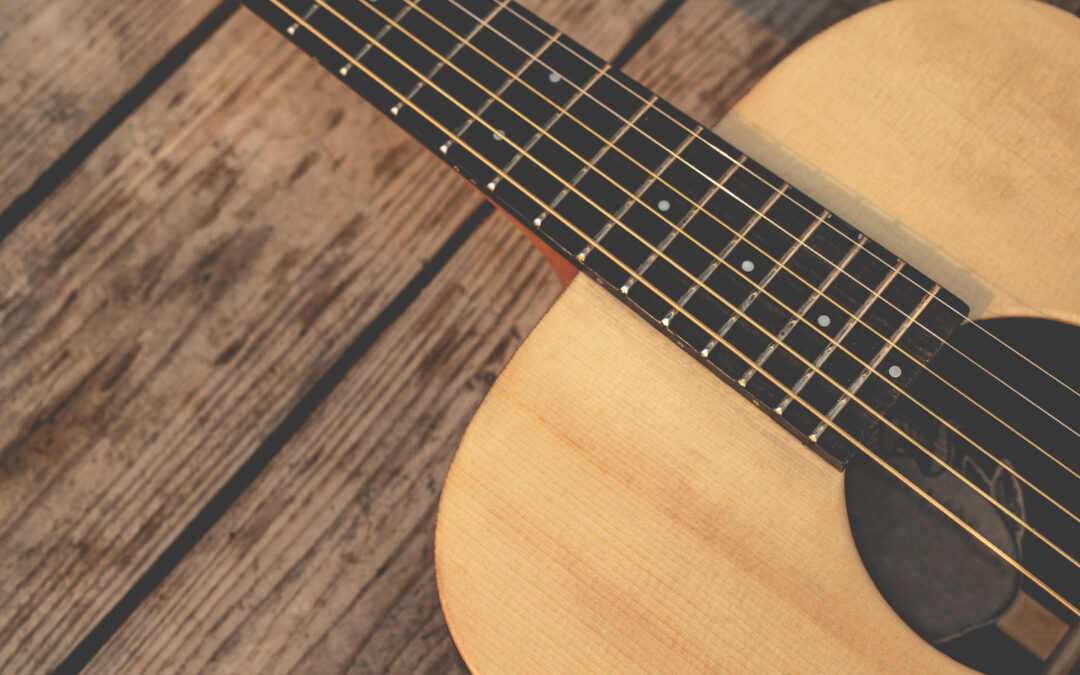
(773,272)
(840,335)
(635,197)
(875,362)
(494,96)
(360,53)
(760,286)
(547,125)
(738,354)
(538,220)
(697,209)
(758,215)
(677,229)
(499,6)
(721,259)
(809,302)
(291,30)
(943,341)
(812,250)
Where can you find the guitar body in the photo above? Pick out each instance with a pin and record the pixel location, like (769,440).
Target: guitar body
(616,507)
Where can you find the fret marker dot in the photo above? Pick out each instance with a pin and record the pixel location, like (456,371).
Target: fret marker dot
(498,135)
(824,321)
(663,205)
(554,78)
(894,371)
(747,266)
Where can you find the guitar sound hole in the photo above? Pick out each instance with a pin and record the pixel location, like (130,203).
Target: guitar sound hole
(952,590)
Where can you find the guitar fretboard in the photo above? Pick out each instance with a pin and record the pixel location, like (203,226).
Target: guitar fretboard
(809,318)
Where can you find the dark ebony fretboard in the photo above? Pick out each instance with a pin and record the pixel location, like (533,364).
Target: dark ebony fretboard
(808,317)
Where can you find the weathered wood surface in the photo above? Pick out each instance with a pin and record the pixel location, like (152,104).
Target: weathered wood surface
(65,63)
(167,308)
(246,594)
(173,302)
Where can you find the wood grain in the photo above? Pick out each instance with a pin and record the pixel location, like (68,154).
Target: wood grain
(168,307)
(65,63)
(219,606)
(614,507)
(325,564)
(1013,167)
(584,525)
(172,303)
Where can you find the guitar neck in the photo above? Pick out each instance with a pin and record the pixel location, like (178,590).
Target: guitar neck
(787,302)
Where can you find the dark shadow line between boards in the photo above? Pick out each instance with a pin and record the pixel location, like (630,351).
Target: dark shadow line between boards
(67,163)
(295,419)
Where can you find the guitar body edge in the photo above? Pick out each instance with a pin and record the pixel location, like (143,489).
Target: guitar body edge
(615,507)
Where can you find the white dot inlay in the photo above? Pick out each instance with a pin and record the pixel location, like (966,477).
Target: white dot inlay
(894,371)
(497,135)
(663,205)
(747,266)
(824,321)
(554,78)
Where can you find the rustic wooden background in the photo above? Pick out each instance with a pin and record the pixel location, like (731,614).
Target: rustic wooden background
(244,321)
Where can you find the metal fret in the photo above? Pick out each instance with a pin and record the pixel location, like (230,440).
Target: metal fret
(344,70)
(632,200)
(662,246)
(875,362)
(753,294)
(445,147)
(841,334)
(722,257)
(455,49)
(693,212)
(809,302)
(538,220)
(737,194)
(547,125)
(291,30)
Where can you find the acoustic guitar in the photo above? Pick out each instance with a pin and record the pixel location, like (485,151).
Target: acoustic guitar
(815,403)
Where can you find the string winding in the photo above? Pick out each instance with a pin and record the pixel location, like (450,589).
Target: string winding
(632,274)
(750,171)
(760,288)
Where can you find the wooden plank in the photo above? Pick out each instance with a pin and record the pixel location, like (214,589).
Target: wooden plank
(167,308)
(65,63)
(325,564)
(174,301)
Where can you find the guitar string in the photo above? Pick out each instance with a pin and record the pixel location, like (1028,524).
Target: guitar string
(719,339)
(760,288)
(952,516)
(699,208)
(606,75)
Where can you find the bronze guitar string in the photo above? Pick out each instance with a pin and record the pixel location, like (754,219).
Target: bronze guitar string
(953,471)
(978,536)
(762,213)
(738,162)
(742,237)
